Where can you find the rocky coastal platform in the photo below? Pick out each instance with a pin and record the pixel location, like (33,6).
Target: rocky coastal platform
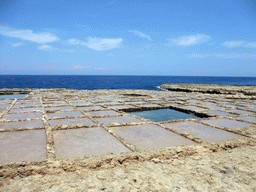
(212,89)
(73,140)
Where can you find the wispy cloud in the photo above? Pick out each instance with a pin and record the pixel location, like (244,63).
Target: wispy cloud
(16,44)
(226,55)
(237,55)
(190,40)
(102,44)
(73,41)
(232,44)
(142,35)
(45,47)
(99,44)
(28,35)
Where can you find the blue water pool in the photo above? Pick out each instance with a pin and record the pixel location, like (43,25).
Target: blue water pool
(163,115)
(20,96)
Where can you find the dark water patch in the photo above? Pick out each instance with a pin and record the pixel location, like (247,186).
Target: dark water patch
(163,115)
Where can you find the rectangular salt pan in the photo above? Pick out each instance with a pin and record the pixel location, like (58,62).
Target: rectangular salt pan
(163,115)
(193,108)
(218,113)
(101,113)
(21,124)
(22,116)
(121,106)
(226,123)
(204,132)
(30,109)
(150,136)
(123,119)
(83,142)
(252,119)
(239,111)
(90,108)
(63,108)
(65,114)
(22,146)
(71,121)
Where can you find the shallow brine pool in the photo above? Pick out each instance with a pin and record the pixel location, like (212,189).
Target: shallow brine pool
(163,115)
(20,96)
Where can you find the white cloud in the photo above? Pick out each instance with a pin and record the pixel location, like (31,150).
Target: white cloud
(100,44)
(73,41)
(16,44)
(232,44)
(190,40)
(28,35)
(142,35)
(45,47)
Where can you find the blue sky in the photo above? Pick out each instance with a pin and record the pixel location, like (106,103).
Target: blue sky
(117,37)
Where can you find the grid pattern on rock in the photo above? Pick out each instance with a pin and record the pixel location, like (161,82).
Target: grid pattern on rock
(80,123)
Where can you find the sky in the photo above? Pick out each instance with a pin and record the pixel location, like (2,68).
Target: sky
(135,37)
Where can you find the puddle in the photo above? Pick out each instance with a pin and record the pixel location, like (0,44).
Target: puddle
(163,115)
(20,96)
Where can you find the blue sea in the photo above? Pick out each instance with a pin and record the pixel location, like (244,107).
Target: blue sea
(91,82)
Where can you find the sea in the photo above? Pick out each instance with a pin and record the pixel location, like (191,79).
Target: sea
(91,82)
